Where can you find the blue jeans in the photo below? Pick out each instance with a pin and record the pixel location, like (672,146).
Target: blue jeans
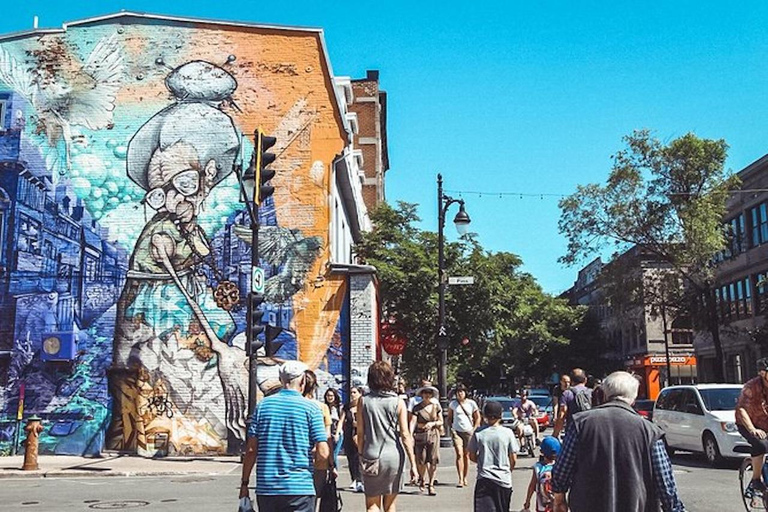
(337,450)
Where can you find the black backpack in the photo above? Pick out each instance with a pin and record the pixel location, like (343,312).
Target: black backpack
(582,400)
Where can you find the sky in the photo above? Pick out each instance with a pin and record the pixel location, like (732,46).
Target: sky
(519,97)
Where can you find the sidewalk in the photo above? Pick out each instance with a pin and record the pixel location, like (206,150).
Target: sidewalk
(52,466)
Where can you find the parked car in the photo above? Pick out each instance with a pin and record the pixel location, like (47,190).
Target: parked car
(544,404)
(701,418)
(507,404)
(539,392)
(644,408)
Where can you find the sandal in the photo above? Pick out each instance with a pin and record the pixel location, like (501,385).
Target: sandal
(432,490)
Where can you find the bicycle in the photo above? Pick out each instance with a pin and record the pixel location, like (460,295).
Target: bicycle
(745,476)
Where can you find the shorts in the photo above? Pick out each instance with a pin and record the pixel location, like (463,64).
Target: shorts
(285,503)
(757,446)
(491,497)
(461,439)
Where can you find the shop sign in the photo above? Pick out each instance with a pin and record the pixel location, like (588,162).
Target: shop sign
(672,360)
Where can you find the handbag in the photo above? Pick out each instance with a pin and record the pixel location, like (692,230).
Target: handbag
(330,499)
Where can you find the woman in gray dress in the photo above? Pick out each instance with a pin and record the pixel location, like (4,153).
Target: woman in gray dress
(383,439)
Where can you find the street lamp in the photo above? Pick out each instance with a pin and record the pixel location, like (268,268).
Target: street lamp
(461,221)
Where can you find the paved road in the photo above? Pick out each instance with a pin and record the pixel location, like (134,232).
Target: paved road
(703,490)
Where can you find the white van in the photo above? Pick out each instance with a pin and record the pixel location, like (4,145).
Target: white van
(700,418)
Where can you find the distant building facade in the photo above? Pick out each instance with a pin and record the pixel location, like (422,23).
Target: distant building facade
(741,281)
(634,333)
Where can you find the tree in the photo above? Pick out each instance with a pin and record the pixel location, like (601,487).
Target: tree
(511,325)
(667,200)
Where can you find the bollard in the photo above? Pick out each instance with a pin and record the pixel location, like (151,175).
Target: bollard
(33,429)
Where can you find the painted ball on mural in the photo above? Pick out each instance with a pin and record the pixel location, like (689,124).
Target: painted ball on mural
(91,166)
(201,81)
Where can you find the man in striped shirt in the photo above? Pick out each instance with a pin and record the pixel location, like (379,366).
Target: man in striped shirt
(284,429)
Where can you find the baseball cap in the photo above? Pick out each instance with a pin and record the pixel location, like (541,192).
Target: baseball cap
(292,370)
(550,446)
(492,409)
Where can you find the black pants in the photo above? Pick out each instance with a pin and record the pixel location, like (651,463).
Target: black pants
(286,503)
(353,458)
(491,497)
(757,446)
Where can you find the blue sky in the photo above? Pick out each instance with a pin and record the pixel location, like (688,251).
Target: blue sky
(527,97)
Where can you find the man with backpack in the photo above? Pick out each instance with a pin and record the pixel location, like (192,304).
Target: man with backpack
(576,399)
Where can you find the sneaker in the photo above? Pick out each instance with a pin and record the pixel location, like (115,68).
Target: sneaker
(360,487)
(755,487)
(353,485)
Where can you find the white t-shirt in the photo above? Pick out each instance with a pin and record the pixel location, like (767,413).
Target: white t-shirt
(462,421)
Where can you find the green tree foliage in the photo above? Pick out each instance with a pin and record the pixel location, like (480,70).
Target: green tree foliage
(669,201)
(511,324)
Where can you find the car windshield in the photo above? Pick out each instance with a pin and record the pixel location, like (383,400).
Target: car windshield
(720,399)
(506,403)
(540,401)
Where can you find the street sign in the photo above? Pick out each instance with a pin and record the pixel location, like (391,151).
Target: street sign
(461,280)
(257,280)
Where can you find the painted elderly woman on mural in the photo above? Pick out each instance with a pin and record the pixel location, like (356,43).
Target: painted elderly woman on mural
(171,323)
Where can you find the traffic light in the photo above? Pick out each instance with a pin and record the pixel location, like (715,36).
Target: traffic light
(263,172)
(254,327)
(272,345)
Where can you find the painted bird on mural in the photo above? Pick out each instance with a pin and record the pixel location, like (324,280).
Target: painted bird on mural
(290,252)
(67,96)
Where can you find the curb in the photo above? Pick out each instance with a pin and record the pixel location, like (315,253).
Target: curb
(99,474)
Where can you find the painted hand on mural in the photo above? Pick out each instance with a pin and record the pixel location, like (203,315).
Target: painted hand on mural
(66,96)
(288,251)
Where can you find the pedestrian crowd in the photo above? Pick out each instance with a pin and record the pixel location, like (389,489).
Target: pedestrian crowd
(610,459)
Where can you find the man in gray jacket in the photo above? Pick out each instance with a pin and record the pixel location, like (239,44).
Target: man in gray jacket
(613,459)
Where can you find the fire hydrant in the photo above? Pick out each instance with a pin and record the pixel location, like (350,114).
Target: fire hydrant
(33,429)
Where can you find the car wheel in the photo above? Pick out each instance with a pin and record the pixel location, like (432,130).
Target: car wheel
(711,450)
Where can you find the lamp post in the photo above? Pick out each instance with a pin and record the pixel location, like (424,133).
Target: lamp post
(461,221)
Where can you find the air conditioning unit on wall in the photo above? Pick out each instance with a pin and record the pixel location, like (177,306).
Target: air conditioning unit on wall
(59,346)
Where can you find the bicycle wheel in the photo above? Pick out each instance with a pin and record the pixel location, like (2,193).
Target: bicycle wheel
(745,476)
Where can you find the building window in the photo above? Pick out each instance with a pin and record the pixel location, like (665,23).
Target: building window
(759,217)
(736,235)
(761,288)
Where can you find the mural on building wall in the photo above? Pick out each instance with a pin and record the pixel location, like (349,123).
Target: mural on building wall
(125,250)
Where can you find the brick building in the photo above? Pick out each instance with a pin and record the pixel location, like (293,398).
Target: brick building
(159,118)
(370,108)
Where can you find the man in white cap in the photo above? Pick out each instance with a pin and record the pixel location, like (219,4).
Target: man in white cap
(284,429)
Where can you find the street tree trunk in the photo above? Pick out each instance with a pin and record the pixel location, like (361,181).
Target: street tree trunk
(713,323)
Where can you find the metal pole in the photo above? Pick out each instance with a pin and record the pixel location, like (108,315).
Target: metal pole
(442,376)
(666,342)
(253,359)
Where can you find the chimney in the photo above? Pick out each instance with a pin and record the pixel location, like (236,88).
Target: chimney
(372,74)
(34,22)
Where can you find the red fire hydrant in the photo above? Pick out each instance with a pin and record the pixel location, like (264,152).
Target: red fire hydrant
(33,429)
